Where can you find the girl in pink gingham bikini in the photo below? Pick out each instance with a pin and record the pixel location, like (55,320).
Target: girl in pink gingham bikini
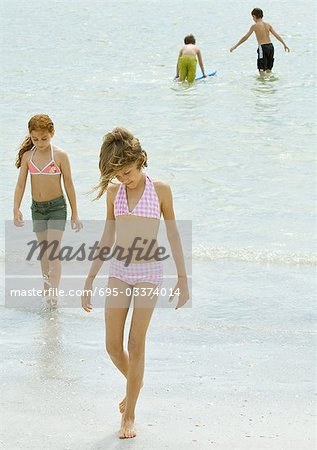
(134,206)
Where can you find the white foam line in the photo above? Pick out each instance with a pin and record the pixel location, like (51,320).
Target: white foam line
(73,276)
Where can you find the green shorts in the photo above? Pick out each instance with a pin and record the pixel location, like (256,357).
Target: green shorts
(49,215)
(187,68)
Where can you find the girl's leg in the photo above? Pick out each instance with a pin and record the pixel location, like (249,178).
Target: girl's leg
(142,313)
(55,265)
(42,236)
(116,310)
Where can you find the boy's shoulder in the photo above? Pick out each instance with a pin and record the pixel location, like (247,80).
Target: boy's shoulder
(189,46)
(260,25)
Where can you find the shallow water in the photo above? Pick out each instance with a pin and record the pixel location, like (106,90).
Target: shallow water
(238,152)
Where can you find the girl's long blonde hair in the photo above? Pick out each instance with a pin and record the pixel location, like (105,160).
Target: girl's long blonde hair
(38,122)
(119,149)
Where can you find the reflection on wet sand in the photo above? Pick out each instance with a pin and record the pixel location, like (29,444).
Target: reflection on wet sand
(50,346)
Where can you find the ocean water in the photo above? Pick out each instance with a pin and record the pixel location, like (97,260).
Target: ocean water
(238,152)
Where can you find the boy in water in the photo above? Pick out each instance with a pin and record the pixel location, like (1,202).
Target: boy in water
(265,49)
(186,63)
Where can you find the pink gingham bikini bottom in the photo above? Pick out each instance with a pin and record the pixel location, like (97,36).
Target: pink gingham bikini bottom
(134,273)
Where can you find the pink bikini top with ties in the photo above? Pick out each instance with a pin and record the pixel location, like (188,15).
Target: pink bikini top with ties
(148,205)
(51,168)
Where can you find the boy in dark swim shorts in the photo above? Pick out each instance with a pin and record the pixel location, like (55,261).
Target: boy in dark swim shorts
(265,49)
(265,57)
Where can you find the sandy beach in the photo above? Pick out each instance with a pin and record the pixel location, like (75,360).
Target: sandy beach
(236,368)
(61,391)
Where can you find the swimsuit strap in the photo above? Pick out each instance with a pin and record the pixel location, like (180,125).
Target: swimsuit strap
(33,151)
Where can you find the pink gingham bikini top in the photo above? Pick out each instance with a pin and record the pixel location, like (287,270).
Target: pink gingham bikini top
(148,205)
(51,167)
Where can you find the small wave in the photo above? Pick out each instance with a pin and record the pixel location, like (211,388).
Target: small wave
(247,328)
(206,253)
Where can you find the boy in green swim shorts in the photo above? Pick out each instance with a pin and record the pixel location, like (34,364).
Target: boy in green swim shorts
(186,63)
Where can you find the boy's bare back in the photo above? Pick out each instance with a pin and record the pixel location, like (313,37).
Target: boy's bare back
(262,31)
(189,50)
(186,62)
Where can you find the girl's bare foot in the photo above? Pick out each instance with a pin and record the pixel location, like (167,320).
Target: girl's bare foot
(124,402)
(127,428)
(52,302)
(122,405)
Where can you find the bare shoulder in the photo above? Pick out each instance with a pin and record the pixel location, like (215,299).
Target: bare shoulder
(59,154)
(112,190)
(162,188)
(159,184)
(26,157)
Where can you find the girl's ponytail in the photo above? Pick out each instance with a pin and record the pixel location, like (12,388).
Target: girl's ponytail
(26,145)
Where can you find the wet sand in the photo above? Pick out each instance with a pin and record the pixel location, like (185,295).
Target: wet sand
(61,391)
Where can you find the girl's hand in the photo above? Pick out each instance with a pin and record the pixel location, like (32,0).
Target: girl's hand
(18,219)
(286,48)
(183,295)
(76,224)
(86,297)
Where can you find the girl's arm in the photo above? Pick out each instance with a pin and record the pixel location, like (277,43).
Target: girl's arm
(70,191)
(19,191)
(107,240)
(176,246)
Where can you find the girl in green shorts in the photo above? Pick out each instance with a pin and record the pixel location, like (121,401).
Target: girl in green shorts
(47,164)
